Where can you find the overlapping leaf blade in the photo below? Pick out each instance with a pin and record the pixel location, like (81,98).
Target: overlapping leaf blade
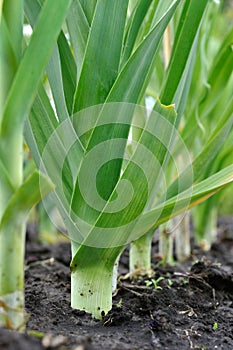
(134,25)
(28,76)
(38,186)
(187,199)
(101,62)
(186,33)
(78,28)
(207,154)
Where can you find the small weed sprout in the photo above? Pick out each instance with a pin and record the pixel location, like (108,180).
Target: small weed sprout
(169,283)
(119,304)
(154,282)
(185,281)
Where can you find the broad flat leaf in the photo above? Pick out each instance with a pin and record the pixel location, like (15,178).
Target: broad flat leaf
(38,136)
(78,28)
(61,68)
(28,194)
(102,57)
(28,75)
(182,91)
(129,84)
(218,77)
(185,35)
(13,14)
(56,84)
(8,64)
(32,10)
(161,7)
(134,25)
(186,200)
(89,9)
(69,71)
(43,125)
(207,154)
(42,122)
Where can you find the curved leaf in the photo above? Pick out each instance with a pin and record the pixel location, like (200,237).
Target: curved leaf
(18,207)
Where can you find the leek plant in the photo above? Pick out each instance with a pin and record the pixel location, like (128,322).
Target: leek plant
(98,74)
(21,71)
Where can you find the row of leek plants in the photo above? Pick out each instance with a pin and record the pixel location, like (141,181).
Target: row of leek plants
(214,94)
(212,88)
(98,74)
(209,106)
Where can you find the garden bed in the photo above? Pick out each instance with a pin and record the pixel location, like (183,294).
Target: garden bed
(191,309)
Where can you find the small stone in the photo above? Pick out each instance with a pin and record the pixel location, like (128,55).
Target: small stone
(79,347)
(50,341)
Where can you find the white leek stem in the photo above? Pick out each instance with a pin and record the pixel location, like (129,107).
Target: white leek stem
(91,289)
(115,274)
(140,255)
(182,236)
(91,278)
(12,246)
(166,245)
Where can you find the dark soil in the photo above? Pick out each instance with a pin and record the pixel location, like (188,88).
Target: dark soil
(192,309)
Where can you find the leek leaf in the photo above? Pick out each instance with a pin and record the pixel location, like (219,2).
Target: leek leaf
(28,76)
(185,200)
(101,62)
(38,186)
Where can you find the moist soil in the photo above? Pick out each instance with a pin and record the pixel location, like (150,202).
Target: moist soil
(191,309)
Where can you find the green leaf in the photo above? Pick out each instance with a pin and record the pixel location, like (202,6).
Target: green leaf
(160,8)
(61,68)
(78,28)
(185,35)
(102,57)
(134,25)
(220,73)
(49,142)
(185,200)
(26,81)
(218,77)
(89,9)
(6,187)
(13,14)
(54,67)
(207,153)
(35,187)
(129,85)
(56,84)
(42,121)
(4,176)
(69,71)
(8,64)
